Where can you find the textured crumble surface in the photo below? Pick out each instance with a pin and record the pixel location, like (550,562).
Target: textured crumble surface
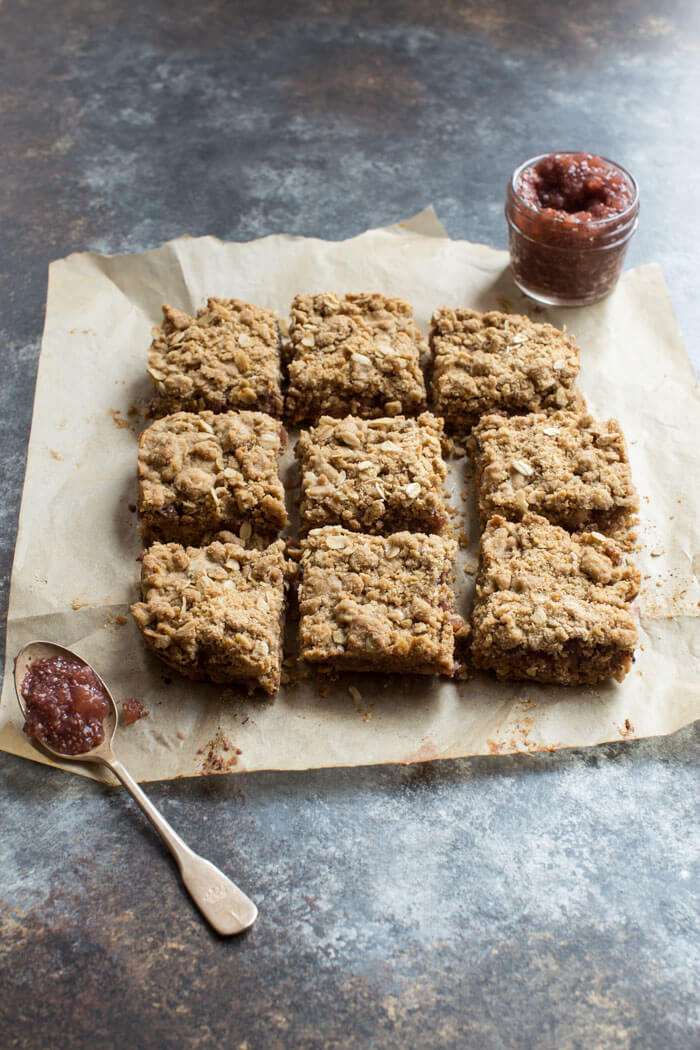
(376,476)
(201,473)
(215,612)
(552,606)
(499,362)
(228,356)
(374,603)
(359,355)
(567,466)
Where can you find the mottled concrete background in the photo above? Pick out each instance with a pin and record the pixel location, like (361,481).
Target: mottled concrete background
(546,901)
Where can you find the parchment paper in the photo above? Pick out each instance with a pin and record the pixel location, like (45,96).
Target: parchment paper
(75,569)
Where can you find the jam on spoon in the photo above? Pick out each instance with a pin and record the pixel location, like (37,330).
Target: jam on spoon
(70,712)
(65,705)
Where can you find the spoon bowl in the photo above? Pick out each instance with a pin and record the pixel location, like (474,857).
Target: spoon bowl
(33,651)
(221,902)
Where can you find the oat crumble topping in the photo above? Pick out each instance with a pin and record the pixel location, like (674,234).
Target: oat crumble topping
(374,603)
(201,473)
(226,357)
(359,355)
(566,466)
(496,362)
(552,606)
(375,476)
(215,612)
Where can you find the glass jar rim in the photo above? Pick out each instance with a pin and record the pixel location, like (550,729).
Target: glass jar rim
(592,223)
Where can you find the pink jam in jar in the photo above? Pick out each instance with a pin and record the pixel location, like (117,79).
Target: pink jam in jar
(570,218)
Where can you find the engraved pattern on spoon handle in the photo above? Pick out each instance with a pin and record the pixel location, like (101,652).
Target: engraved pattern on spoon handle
(220,901)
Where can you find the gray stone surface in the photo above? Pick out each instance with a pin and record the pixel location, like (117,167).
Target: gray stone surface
(546,901)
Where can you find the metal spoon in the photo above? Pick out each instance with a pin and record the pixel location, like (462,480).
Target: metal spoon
(223,905)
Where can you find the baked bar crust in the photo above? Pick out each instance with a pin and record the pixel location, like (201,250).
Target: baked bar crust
(199,474)
(374,476)
(226,357)
(215,612)
(359,355)
(566,466)
(551,606)
(375,603)
(496,362)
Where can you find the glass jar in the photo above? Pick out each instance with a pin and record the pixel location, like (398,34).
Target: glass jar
(570,218)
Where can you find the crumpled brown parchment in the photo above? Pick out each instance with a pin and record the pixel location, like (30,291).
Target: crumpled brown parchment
(75,569)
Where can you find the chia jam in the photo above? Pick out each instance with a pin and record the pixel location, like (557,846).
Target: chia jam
(570,218)
(65,705)
(133,709)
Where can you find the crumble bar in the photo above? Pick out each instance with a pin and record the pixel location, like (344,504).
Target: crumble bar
(215,612)
(566,466)
(375,476)
(374,603)
(228,356)
(496,362)
(202,473)
(551,606)
(359,355)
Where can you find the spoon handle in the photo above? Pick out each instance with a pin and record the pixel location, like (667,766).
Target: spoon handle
(220,901)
